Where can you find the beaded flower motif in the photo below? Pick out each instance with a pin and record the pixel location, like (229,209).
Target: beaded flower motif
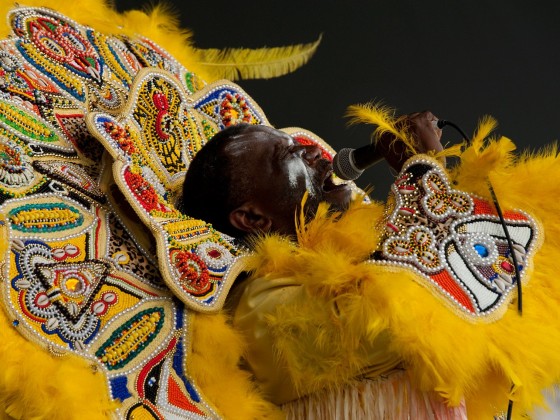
(455,241)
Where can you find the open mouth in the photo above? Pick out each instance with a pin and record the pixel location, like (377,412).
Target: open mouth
(329,184)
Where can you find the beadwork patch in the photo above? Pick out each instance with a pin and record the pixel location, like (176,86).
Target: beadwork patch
(153,142)
(17,176)
(149,54)
(455,241)
(70,55)
(71,174)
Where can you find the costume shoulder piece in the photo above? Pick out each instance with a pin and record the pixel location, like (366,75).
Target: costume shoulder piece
(439,280)
(153,141)
(84,306)
(455,241)
(87,305)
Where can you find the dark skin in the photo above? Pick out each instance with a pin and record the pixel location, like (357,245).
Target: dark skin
(281,171)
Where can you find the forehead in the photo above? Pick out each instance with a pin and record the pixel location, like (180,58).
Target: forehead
(258,140)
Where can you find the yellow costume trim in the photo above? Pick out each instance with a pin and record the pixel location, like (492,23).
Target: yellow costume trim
(216,371)
(442,352)
(39,385)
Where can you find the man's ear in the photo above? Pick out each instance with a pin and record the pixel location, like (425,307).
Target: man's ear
(250,218)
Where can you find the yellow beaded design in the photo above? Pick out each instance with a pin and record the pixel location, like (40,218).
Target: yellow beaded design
(152,141)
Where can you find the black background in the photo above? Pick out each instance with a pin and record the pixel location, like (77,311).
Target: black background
(459,59)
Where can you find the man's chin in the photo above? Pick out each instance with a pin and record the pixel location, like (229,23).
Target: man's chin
(338,199)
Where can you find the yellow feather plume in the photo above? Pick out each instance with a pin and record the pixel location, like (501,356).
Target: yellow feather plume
(486,125)
(261,63)
(384,118)
(217,372)
(490,156)
(480,364)
(35,384)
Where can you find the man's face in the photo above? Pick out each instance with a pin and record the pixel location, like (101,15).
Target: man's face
(278,171)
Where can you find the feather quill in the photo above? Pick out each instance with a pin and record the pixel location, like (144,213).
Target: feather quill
(260,63)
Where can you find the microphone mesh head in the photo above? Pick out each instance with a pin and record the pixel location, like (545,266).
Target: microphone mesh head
(343,165)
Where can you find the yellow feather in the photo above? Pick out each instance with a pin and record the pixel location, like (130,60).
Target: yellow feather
(482,362)
(36,384)
(384,118)
(486,125)
(217,372)
(261,63)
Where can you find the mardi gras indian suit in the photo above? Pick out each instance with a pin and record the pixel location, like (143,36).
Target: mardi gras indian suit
(112,299)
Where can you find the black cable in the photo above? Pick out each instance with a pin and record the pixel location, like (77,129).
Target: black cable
(509,410)
(510,245)
(441,124)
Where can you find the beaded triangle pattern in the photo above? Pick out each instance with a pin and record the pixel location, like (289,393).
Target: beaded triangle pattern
(455,241)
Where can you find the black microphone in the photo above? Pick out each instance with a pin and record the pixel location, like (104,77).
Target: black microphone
(349,164)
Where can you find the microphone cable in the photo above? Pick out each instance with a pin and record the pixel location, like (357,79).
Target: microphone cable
(441,124)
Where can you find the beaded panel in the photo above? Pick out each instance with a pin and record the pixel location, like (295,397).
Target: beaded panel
(77,59)
(75,279)
(455,241)
(152,142)
(66,286)
(150,54)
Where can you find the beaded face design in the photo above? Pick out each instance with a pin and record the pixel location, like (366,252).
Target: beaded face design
(455,241)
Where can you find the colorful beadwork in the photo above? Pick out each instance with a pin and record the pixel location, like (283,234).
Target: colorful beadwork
(131,338)
(15,166)
(152,160)
(79,277)
(455,241)
(83,275)
(73,175)
(45,217)
(30,127)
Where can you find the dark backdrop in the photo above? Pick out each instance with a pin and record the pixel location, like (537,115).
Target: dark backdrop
(459,59)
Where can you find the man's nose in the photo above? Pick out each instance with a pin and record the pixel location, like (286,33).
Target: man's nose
(311,154)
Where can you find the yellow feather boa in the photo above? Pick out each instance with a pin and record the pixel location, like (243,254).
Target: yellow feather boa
(35,384)
(442,352)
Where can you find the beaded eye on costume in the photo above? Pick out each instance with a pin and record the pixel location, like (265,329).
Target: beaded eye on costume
(455,241)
